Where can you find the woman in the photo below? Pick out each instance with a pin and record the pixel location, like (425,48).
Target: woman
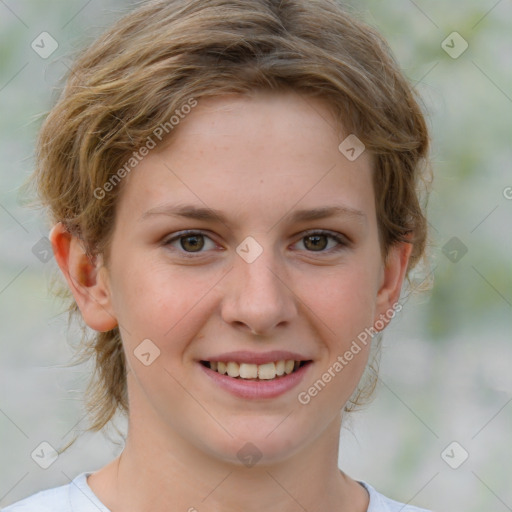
(233,189)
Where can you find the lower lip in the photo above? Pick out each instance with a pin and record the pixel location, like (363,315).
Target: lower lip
(257,389)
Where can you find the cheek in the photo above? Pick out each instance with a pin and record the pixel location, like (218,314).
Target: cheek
(344,306)
(344,300)
(152,302)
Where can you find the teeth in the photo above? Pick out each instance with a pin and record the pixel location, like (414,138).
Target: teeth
(288,366)
(233,369)
(267,371)
(248,371)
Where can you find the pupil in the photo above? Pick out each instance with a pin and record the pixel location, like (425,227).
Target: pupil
(197,242)
(316,239)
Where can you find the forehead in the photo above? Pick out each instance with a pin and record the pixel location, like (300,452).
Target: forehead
(259,156)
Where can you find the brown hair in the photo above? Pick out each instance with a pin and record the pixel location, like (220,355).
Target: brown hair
(156,58)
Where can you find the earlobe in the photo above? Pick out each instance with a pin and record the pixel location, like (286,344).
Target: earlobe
(394,272)
(87,279)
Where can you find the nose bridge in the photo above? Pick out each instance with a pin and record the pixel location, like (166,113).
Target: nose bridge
(257,295)
(260,277)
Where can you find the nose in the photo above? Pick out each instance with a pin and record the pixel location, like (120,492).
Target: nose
(258,296)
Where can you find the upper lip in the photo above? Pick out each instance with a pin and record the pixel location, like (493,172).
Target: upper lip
(244,356)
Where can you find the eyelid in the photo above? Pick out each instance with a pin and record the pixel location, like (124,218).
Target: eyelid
(343,239)
(184,233)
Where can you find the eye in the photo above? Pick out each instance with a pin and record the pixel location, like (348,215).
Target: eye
(189,242)
(318,241)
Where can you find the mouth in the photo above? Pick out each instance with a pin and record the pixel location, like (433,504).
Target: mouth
(256,375)
(271,371)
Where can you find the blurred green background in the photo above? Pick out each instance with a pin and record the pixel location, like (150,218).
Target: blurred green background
(446,371)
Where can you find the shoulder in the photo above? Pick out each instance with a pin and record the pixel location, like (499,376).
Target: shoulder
(379,502)
(73,497)
(56,499)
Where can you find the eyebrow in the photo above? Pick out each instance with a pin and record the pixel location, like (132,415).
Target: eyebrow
(190,211)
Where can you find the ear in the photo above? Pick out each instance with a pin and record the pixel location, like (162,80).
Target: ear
(393,274)
(87,280)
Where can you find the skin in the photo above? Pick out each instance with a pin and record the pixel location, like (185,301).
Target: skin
(258,159)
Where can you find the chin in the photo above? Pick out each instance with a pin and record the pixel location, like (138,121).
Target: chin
(258,444)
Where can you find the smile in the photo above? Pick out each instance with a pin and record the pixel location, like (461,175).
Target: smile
(254,376)
(248,371)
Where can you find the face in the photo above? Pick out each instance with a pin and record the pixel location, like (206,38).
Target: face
(289,269)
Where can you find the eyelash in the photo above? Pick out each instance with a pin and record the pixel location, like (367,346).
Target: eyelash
(342,241)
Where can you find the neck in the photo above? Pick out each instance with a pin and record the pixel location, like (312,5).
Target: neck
(158,468)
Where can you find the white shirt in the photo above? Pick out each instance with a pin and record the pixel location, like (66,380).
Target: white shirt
(77,496)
